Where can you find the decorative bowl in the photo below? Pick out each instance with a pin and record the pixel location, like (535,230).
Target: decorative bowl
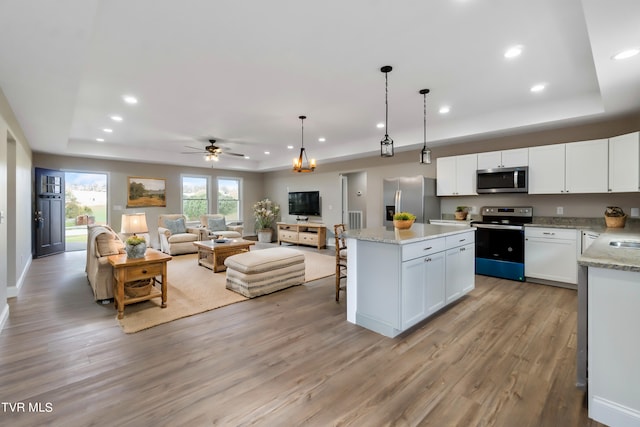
(403,224)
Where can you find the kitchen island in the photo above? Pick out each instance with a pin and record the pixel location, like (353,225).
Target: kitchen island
(608,320)
(397,278)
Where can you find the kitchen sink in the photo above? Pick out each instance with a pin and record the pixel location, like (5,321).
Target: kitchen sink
(625,244)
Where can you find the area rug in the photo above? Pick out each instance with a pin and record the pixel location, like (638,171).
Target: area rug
(193,289)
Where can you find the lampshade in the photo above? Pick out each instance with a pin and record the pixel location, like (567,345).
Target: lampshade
(134,223)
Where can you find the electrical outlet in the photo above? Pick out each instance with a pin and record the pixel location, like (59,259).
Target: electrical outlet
(635,212)
(560,210)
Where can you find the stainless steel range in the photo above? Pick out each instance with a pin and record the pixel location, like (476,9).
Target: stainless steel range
(500,241)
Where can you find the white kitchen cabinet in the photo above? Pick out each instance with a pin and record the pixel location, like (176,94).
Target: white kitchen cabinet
(551,254)
(546,169)
(460,279)
(456,175)
(576,167)
(586,166)
(423,288)
(624,163)
(503,159)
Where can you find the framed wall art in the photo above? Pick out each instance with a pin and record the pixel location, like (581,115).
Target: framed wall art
(146,192)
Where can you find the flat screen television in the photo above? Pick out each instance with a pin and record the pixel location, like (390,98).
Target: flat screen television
(304,203)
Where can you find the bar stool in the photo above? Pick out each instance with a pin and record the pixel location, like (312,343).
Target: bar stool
(341,258)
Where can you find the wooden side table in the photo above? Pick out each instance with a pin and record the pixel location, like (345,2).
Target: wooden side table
(127,270)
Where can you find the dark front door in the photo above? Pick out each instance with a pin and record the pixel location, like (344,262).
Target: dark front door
(49,212)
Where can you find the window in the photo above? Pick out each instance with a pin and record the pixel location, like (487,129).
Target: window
(195,197)
(229,198)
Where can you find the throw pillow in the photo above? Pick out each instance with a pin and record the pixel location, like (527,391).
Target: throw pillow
(176,226)
(216,224)
(108,244)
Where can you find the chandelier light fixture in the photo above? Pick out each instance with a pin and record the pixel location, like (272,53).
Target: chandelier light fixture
(386,145)
(425,153)
(302,163)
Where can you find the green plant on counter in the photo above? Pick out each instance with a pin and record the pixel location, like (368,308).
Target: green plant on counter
(135,240)
(403,216)
(614,211)
(462,208)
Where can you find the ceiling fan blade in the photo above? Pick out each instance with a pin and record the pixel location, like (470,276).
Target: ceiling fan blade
(193,148)
(201,153)
(232,154)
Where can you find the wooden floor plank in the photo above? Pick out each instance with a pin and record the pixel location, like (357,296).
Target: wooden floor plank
(502,356)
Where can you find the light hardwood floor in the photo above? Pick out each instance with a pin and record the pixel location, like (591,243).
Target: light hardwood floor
(503,356)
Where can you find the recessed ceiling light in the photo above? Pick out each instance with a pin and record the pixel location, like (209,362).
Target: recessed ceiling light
(322,139)
(107,130)
(444,109)
(247,157)
(513,51)
(116,118)
(538,88)
(100,139)
(267,152)
(626,54)
(380,125)
(289,147)
(130,99)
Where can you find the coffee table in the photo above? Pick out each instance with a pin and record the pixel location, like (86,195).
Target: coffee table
(212,255)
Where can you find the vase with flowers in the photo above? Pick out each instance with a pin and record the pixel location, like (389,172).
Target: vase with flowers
(266,213)
(135,247)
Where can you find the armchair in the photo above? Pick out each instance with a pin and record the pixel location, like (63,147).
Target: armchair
(175,237)
(216,225)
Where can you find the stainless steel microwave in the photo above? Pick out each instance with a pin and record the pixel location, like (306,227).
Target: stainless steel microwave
(503,180)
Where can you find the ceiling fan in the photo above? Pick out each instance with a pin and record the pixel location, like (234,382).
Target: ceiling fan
(211,152)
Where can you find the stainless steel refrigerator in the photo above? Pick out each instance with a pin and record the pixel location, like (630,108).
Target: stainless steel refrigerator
(416,195)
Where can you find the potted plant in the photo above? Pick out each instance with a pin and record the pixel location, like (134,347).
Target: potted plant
(135,247)
(461,212)
(615,217)
(265,212)
(403,220)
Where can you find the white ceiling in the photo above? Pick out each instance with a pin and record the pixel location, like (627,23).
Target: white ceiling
(243,71)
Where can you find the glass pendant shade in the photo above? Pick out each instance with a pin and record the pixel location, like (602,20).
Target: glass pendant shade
(425,153)
(386,145)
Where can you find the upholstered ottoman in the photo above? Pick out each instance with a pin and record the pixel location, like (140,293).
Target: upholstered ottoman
(264,271)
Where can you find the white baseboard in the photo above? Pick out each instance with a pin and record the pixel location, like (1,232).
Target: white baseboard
(612,413)
(4,316)
(12,291)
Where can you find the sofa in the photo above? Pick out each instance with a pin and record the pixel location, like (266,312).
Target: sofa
(216,225)
(175,237)
(102,241)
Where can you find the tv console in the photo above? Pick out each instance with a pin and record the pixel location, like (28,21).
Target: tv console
(303,233)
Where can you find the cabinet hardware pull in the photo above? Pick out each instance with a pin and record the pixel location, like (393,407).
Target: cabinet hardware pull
(144,271)
(548,233)
(427,259)
(462,249)
(426,249)
(462,240)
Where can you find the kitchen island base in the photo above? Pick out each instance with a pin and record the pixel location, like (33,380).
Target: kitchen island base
(401,279)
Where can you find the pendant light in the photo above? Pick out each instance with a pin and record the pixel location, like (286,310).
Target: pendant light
(302,163)
(425,153)
(386,145)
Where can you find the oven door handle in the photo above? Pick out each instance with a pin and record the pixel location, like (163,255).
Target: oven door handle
(499,226)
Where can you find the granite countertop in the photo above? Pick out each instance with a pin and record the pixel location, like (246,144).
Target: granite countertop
(601,254)
(416,233)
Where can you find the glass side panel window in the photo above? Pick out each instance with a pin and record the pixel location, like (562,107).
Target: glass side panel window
(195,197)
(229,198)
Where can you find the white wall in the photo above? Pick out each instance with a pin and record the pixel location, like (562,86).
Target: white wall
(15,204)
